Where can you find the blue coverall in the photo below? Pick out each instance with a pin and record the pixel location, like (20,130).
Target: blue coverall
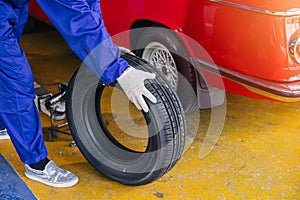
(81,25)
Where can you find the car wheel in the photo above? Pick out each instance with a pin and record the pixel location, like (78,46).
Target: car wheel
(164,50)
(108,137)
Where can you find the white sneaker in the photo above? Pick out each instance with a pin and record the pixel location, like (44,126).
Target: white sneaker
(3,134)
(52,175)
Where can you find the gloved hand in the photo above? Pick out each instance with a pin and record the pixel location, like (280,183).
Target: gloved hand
(132,82)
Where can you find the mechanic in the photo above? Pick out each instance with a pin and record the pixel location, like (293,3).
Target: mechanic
(81,25)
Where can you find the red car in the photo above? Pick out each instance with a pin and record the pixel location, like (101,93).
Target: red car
(255,45)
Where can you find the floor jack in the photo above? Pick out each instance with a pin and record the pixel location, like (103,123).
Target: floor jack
(54,107)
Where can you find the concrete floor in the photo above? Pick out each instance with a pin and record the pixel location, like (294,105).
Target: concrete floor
(256,157)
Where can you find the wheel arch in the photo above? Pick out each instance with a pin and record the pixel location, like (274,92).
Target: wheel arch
(144,23)
(158,22)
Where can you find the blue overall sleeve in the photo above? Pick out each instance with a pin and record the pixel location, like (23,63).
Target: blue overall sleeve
(18,112)
(82,26)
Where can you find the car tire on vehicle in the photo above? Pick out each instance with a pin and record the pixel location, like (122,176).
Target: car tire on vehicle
(165,124)
(155,42)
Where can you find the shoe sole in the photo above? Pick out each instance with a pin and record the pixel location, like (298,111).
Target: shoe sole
(62,185)
(4,137)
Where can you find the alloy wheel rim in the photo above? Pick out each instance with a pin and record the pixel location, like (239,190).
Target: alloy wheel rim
(160,57)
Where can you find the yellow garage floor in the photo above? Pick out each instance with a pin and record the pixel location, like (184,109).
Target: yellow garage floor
(256,157)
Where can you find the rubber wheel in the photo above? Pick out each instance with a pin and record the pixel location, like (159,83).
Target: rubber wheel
(164,50)
(165,124)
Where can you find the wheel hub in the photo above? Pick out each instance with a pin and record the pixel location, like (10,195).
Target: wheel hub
(159,56)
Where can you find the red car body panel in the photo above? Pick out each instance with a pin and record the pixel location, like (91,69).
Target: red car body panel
(36,11)
(248,40)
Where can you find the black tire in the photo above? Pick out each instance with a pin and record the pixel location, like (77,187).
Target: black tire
(165,122)
(186,81)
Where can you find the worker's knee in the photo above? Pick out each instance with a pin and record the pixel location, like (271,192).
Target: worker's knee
(17,86)
(12,104)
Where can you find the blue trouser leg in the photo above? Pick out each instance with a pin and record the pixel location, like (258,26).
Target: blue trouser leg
(2,125)
(19,27)
(18,30)
(81,25)
(18,112)
(24,130)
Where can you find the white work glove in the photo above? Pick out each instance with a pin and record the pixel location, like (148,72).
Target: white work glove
(132,82)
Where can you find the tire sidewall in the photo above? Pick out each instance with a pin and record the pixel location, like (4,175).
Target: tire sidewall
(79,95)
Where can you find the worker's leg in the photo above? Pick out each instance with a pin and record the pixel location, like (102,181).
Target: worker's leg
(22,12)
(17,109)
(2,125)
